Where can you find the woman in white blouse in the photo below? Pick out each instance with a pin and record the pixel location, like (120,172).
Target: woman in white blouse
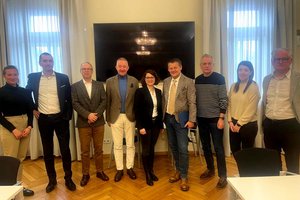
(243,100)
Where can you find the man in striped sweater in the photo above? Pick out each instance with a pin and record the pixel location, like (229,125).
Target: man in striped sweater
(211,97)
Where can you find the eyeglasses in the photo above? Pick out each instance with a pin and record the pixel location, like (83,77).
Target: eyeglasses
(149,77)
(284,60)
(86,69)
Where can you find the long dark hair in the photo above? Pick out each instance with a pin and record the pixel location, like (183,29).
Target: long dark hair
(249,65)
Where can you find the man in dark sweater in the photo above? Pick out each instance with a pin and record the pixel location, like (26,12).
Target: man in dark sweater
(211,97)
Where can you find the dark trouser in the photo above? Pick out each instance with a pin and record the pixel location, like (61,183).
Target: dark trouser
(178,142)
(47,125)
(148,143)
(284,134)
(245,138)
(208,129)
(86,135)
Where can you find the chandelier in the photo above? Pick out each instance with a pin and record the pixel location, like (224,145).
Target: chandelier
(145,39)
(143,52)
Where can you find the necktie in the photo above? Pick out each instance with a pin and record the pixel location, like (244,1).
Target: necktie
(172,97)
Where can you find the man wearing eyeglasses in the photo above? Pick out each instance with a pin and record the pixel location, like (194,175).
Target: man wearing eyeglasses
(89,101)
(281,109)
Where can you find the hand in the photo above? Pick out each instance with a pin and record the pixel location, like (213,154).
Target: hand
(143,131)
(220,124)
(17,133)
(189,124)
(92,117)
(36,114)
(231,125)
(162,131)
(236,128)
(26,131)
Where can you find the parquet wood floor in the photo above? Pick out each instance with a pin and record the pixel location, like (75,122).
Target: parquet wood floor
(35,178)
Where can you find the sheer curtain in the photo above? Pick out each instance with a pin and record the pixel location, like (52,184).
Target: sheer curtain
(32,27)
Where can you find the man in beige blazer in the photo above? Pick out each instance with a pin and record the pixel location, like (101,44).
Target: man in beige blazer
(281,109)
(120,90)
(179,108)
(89,101)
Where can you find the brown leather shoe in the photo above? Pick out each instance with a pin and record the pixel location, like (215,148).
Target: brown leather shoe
(84,180)
(102,176)
(207,174)
(222,182)
(184,186)
(131,173)
(175,177)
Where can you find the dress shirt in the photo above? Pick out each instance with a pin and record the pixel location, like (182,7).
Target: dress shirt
(176,83)
(88,86)
(278,105)
(48,96)
(154,101)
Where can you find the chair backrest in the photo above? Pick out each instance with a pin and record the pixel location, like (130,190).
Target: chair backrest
(258,162)
(9,167)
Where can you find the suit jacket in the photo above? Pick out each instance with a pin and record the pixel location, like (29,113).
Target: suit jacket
(84,105)
(185,97)
(294,93)
(143,108)
(63,92)
(113,98)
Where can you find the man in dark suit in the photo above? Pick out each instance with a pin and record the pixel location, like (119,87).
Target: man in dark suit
(179,90)
(120,90)
(53,110)
(89,101)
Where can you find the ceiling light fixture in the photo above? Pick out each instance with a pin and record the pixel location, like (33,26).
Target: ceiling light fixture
(145,39)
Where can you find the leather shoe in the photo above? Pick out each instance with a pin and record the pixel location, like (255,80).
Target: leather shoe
(175,177)
(207,174)
(70,184)
(131,173)
(153,177)
(85,179)
(102,176)
(184,186)
(27,192)
(118,175)
(51,186)
(222,182)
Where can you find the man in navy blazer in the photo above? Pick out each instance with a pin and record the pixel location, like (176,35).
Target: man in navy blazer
(179,115)
(53,110)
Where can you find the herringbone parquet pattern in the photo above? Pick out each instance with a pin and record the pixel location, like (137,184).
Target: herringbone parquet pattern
(35,178)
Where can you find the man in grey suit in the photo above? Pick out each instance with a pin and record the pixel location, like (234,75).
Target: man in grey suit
(89,101)
(120,90)
(281,109)
(179,90)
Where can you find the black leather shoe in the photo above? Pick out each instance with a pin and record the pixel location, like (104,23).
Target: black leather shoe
(85,179)
(27,192)
(70,185)
(51,186)
(153,177)
(102,176)
(207,174)
(149,180)
(131,173)
(118,175)
(222,182)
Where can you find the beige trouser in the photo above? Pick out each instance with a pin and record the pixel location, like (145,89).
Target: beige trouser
(120,128)
(10,145)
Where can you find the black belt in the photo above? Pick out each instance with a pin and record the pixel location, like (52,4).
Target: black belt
(51,115)
(154,118)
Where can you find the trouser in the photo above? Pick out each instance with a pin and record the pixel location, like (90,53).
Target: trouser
(284,134)
(178,142)
(245,138)
(86,135)
(47,125)
(12,146)
(208,129)
(123,126)
(148,144)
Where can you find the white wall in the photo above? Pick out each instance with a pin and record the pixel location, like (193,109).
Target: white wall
(121,11)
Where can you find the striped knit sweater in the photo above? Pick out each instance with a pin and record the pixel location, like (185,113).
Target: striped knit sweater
(211,95)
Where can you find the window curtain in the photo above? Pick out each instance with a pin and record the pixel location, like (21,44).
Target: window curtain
(32,27)
(245,30)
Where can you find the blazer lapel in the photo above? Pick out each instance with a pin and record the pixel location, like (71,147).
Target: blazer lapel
(84,90)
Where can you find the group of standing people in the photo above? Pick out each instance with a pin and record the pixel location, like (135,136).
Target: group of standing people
(182,104)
